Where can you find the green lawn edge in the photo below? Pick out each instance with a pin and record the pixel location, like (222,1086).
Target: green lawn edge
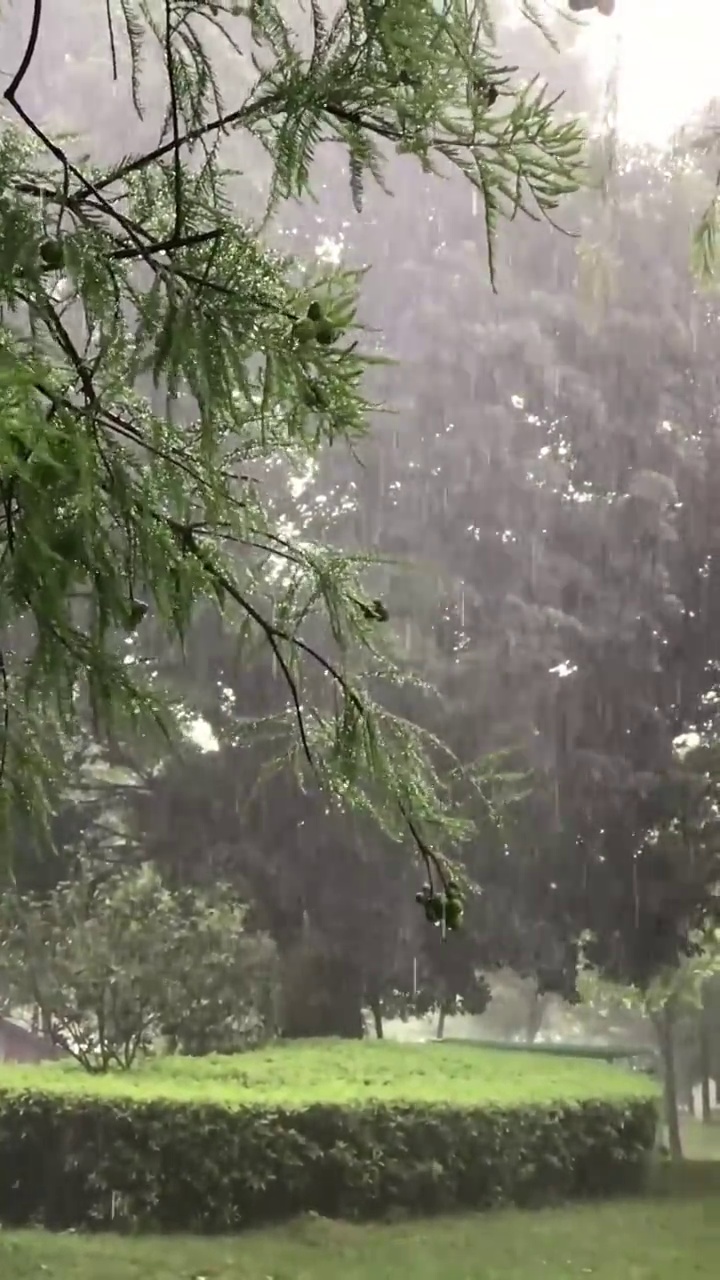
(336,1073)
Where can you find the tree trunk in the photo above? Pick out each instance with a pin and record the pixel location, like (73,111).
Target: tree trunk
(440,1030)
(377,1015)
(665,1027)
(705,1039)
(691,1100)
(322,996)
(537,1007)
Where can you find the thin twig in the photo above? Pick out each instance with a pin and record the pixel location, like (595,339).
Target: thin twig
(175,120)
(111,36)
(430,858)
(172,242)
(28,55)
(4,683)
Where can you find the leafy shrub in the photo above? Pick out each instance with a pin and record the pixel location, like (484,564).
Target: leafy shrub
(152,1157)
(114,962)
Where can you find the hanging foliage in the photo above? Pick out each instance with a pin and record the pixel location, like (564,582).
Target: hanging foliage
(133,284)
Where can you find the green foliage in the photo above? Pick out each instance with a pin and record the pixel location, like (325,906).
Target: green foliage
(113,961)
(155,358)
(679,989)
(704,246)
(444,910)
(267,1136)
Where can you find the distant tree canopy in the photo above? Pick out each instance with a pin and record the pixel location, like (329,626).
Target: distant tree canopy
(562,473)
(555,484)
(548,489)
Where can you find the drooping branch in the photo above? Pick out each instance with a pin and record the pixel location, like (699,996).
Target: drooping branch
(108,432)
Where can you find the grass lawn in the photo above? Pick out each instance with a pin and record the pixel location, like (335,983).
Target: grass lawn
(304,1073)
(662,1239)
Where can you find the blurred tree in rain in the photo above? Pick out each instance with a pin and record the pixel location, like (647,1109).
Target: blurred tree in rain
(557,492)
(546,490)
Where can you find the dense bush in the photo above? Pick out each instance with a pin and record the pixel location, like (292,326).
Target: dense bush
(113,962)
(72,1156)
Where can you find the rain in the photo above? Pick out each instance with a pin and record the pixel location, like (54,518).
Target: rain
(359,638)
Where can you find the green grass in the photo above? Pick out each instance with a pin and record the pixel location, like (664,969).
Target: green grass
(640,1240)
(302,1074)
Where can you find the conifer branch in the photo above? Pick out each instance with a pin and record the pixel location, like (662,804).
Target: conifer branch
(164,283)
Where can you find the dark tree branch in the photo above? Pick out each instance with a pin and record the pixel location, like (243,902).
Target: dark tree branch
(5,685)
(175,121)
(111,38)
(28,55)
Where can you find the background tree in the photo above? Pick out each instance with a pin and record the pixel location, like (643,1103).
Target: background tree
(112,962)
(555,559)
(568,538)
(672,996)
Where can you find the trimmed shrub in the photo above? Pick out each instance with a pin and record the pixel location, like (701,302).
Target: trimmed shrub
(81,1158)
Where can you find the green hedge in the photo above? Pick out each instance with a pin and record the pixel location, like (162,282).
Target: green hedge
(68,1160)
